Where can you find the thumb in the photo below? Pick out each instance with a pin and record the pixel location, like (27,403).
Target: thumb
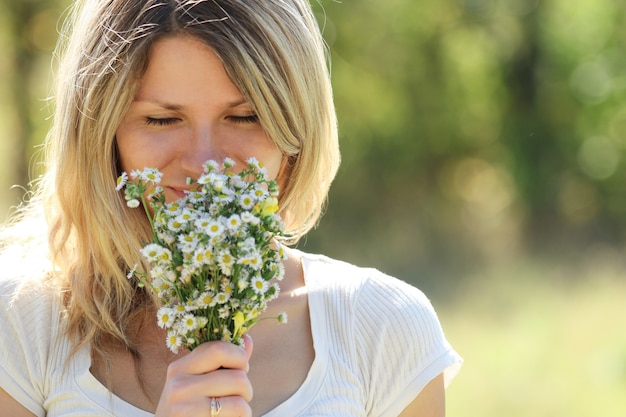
(248,344)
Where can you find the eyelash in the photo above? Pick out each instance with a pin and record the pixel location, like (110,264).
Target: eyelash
(151,121)
(253,118)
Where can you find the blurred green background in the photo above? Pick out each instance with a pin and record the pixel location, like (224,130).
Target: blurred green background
(483,148)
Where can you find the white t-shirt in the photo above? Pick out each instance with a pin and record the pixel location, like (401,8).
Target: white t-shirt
(377,343)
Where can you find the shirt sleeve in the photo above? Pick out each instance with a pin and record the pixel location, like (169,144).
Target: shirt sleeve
(26,326)
(400,344)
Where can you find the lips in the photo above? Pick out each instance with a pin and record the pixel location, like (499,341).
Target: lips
(177,192)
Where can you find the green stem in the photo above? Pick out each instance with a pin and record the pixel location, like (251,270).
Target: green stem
(150,219)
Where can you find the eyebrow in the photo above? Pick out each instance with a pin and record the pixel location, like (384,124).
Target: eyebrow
(178,107)
(237,103)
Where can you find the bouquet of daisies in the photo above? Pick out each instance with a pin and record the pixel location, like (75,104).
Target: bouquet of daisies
(213,260)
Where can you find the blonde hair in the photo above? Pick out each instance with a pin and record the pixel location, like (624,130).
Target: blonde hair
(274,53)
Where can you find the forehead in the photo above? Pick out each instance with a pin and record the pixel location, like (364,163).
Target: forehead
(184,68)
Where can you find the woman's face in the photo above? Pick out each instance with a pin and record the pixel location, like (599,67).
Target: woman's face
(187,111)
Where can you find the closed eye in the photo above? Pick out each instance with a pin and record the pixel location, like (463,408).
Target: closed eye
(253,118)
(166,121)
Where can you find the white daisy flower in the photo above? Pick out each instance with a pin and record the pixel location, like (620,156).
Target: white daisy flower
(175,225)
(215,229)
(173,208)
(170,275)
(165,317)
(238,183)
(282,318)
(253,163)
(206,299)
(155,193)
(213,209)
(224,198)
(202,322)
(132,271)
(173,341)
(210,178)
(186,216)
(218,184)
(226,335)
(280,270)
(222,297)
(121,181)
(225,261)
(200,257)
(253,260)
(162,285)
(247,245)
(188,242)
(259,285)
(242,284)
(233,222)
(260,192)
(202,222)
(166,237)
(228,163)
(246,201)
(227,286)
(272,292)
(210,166)
(204,179)
(133,203)
(185,276)
(153,252)
(248,217)
(195,197)
(210,286)
(151,175)
(189,322)
(223,312)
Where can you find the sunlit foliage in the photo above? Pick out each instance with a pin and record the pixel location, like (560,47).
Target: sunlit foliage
(472,131)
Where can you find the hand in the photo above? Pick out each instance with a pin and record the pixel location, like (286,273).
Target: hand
(213,369)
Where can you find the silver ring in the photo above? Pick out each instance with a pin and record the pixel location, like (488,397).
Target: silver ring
(216,407)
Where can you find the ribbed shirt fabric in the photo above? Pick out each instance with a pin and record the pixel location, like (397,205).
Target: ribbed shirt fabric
(377,343)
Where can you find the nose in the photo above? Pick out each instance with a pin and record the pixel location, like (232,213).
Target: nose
(201,145)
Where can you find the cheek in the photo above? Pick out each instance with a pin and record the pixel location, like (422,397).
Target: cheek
(139,150)
(276,167)
(272,158)
(259,146)
(284,172)
(131,156)
(122,153)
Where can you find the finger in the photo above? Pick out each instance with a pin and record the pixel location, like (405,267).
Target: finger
(229,407)
(233,406)
(187,389)
(208,357)
(248,344)
(223,383)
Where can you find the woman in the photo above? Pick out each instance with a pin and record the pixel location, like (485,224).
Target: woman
(170,84)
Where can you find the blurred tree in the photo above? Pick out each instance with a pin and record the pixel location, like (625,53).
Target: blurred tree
(27,37)
(472,131)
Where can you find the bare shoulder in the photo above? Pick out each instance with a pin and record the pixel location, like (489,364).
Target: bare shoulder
(11,407)
(430,402)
